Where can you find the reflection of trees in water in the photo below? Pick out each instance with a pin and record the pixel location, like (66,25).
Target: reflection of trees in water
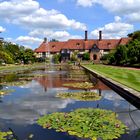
(1,101)
(1,87)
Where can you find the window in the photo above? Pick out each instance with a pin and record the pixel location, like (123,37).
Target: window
(108,44)
(77,44)
(53,46)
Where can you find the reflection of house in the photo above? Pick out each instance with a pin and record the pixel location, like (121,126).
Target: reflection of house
(57,82)
(96,47)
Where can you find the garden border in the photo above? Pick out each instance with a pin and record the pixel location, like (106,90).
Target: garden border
(129,94)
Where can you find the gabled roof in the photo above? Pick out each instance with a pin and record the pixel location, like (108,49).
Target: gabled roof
(50,47)
(124,41)
(80,44)
(74,44)
(108,44)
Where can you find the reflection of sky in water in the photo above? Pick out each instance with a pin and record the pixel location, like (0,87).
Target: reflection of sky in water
(21,107)
(28,102)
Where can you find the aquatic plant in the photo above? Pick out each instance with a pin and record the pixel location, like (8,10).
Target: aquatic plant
(83,96)
(5,135)
(85,123)
(3,92)
(15,83)
(82,85)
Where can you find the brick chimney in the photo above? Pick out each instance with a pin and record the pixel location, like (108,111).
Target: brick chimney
(86,35)
(45,40)
(100,35)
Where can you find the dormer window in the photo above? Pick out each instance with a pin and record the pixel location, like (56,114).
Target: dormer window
(77,44)
(53,46)
(108,44)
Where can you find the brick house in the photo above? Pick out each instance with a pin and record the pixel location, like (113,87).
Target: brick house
(96,47)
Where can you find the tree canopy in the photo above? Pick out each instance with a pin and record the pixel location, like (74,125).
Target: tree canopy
(13,53)
(128,54)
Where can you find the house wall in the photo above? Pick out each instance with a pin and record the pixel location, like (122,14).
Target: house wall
(95,57)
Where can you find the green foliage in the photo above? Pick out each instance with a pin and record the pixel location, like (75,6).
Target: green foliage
(13,53)
(74,56)
(15,83)
(3,92)
(121,55)
(56,58)
(128,54)
(6,58)
(54,40)
(85,123)
(5,135)
(84,85)
(134,52)
(86,56)
(125,76)
(83,96)
(135,35)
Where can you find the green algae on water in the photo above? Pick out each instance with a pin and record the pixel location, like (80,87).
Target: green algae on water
(85,123)
(82,96)
(82,85)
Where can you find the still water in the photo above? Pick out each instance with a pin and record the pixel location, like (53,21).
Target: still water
(20,109)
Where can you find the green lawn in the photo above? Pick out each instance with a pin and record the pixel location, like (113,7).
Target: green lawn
(128,77)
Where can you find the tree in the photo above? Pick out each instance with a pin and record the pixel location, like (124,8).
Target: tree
(54,40)
(86,56)
(135,35)
(5,58)
(134,52)
(121,55)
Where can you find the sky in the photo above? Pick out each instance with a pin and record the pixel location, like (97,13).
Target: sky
(27,22)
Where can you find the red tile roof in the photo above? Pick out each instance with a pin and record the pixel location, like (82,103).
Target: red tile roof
(80,44)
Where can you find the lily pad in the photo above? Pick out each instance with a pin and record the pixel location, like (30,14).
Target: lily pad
(15,83)
(3,92)
(82,85)
(83,96)
(5,135)
(85,123)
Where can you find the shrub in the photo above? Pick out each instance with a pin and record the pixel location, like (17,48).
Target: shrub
(86,56)
(56,58)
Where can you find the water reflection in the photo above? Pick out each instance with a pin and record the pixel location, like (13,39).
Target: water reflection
(36,98)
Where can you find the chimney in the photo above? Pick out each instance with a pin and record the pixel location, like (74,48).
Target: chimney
(100,35)
(86,35)
(45,40)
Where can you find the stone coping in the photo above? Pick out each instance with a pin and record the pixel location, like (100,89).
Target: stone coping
(105,79)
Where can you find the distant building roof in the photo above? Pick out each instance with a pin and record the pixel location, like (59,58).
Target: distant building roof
(80,44)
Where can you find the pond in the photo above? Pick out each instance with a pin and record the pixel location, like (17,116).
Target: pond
(35,96)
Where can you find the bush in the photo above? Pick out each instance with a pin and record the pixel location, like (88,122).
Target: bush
(56,58)
(5,58)
(86,56)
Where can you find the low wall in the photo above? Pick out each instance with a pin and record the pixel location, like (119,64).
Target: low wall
(129,94)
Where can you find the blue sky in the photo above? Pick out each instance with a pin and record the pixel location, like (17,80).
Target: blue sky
(27,22)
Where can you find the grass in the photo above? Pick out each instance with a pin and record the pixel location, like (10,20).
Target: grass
(128,77)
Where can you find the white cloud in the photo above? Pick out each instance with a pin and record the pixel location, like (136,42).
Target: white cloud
(2,29)
(28,41)
(116,29)
(30,15)
(59,35)
(128,8)
(86,3)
